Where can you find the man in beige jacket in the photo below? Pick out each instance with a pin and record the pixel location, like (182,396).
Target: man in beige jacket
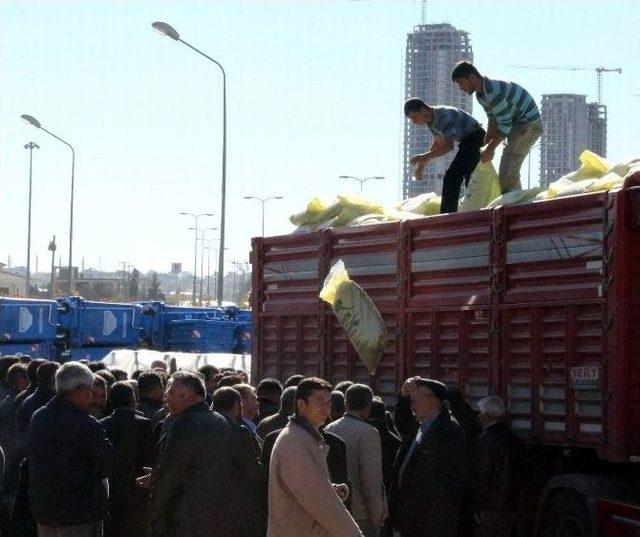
(364,460)
(302,500)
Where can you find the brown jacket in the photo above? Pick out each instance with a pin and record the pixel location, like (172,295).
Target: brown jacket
(302,502)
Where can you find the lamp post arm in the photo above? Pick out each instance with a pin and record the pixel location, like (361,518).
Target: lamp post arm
(220,290)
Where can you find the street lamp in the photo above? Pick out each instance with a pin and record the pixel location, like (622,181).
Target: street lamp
(33,121)
(30,146)
(169,31)
(263,201)
(202,240)
(195,253)
(362,180)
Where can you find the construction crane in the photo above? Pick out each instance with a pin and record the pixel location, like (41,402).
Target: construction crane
(598,70)
(423,12)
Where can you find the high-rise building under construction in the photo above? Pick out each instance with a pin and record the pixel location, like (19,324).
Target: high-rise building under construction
(571,125)
(432,51)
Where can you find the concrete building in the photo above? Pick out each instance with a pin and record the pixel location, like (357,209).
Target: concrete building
(11,284)
(565,136)
(431,52)
(597,121)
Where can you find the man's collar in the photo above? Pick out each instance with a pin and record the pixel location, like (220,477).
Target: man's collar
(307,426)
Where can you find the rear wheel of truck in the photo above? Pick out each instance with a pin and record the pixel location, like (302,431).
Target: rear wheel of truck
(567,514)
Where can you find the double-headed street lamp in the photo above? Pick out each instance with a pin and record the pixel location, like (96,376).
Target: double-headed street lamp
(263,201)
(363,180)
(171,32)
(195,253)
(30,146)
(33,121)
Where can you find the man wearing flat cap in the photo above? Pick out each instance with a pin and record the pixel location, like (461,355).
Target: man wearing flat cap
(429,474)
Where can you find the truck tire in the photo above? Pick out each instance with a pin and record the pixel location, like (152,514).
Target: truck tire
(566,514)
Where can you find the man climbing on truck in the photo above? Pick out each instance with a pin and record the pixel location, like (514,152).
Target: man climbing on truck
(513,118)
(447,124)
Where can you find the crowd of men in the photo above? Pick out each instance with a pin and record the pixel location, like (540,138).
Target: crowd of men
(89,451)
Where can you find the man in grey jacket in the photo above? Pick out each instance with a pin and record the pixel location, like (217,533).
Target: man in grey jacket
(364,460)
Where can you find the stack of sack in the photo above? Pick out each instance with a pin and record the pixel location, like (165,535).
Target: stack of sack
(595,174)
(483,191)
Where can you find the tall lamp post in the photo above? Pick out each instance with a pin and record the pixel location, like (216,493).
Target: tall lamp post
(33,121)
(195,253)
(202,240)
(169,31)
(362,180)
(30,146)
(263,201)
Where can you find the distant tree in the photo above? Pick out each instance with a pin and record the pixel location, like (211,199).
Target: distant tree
(134,284)
(154,292)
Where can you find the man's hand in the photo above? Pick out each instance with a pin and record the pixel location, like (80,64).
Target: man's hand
(487,153)
(342,490)
(419,159)
(145,480)
(409,386)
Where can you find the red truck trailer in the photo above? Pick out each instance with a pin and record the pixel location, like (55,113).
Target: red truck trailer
(537,303)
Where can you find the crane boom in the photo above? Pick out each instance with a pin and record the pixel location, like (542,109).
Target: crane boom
(598,70)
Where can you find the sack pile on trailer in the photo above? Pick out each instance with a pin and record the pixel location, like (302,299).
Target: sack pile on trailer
(595,174)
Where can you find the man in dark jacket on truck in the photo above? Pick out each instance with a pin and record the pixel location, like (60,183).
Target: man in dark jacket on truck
(69,459)
(429,474)
(447,125)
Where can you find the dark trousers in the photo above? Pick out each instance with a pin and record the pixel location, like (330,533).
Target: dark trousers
(461,167)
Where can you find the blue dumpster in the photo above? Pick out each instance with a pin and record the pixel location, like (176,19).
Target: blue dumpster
(85,323)
(93,354)
(200,335)
(39,349)
(25,320)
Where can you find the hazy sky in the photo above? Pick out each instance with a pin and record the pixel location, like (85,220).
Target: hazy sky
(315,90)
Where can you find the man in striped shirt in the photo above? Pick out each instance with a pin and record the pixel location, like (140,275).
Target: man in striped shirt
(513,117)
(447,124)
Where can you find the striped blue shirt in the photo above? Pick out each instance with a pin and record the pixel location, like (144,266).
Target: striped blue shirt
(509,104)
(452,123)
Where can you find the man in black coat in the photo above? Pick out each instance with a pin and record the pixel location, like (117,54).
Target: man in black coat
(279,420)
(69,458)
(499,472)
(429,474)
(250,474)
(193,481)
(269,392)
(45,391)
(134,450)
(389,442)
(151,393)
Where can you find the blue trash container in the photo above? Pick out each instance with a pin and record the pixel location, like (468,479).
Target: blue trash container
(26,320)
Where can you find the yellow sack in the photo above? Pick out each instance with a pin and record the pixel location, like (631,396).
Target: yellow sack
(609,181)
(357,315)
(424,204)
(573,189)
(352,207)
(592,166)
(484,186)
(515,197)
(313,213)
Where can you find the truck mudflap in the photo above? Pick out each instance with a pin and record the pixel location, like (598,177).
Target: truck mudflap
(618,519)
